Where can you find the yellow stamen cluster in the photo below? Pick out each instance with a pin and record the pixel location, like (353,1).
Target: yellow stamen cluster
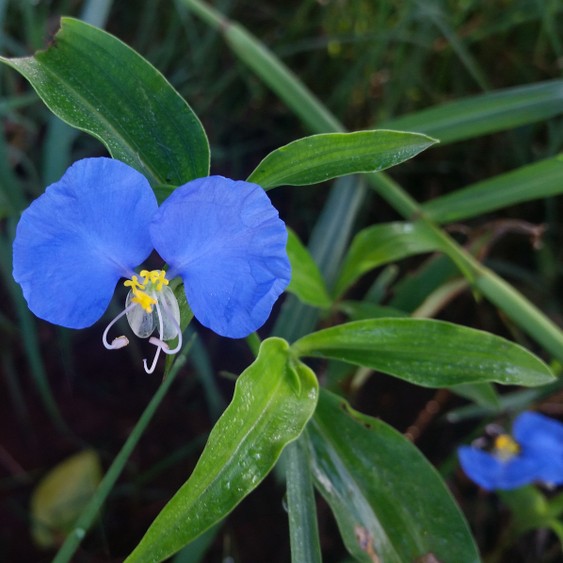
(506,447)
(150,282)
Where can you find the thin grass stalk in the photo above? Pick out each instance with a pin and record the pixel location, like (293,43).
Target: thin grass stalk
(88,516)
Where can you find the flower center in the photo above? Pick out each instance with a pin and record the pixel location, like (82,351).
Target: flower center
(151,281)
(506,447)
(150,305)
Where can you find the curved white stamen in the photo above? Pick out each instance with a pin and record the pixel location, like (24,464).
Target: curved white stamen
(154,360)
(116,342)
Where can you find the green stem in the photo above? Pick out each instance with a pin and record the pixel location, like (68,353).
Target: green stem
(253,341)
(89,514)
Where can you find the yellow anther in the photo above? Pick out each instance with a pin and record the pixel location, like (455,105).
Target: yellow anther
(134,284)
(505,446)
(155,277)
(145,301)
(151,281)
(160,279)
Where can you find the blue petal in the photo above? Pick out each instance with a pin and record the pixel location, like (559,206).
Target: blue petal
(76,240)
(492,473)
(541,438)
(225,239)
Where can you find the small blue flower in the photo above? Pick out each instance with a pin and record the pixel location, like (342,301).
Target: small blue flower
(533,453)
(101,220)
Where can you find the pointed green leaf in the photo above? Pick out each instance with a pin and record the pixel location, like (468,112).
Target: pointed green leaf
(427,352)
(96,83)
(326,156)
(306,280)
(486,113)
(390,504)
(535,181)
(273,400)
(382,244)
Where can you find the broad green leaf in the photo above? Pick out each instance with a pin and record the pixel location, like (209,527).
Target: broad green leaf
(382,244)
(390,504)
(326,156)
(273,400)
(61,496)
(96,83)
(306,280)
(427,352)
(485,113)
(535,181)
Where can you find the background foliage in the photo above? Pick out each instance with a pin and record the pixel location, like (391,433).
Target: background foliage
(370,63)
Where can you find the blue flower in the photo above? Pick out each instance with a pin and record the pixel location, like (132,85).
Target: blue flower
(101,220)
(533,453)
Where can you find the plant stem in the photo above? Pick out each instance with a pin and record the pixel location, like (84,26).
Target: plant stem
(84,523)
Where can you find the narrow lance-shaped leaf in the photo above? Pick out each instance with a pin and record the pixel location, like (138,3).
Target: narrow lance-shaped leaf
(326,156)
(273,400)
(306,280)
(382,244)
(96,83)
(427,352)
(486,113)
(390,503)
(535,181)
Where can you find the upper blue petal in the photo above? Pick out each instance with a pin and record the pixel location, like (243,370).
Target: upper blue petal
(77,239)
(227,242)
(492,473)
(541,438)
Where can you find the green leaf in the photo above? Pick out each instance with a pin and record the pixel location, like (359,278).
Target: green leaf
(483,394)
(96,83)
(306,280)
(273,400)
(301,507)
(535,181)
(362,310)
(427,352)
(487,113)
(390,504)
(326,156)
(61,496)
(382,244)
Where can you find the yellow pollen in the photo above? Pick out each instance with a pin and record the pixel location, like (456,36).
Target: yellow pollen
(156,277)
(144,300)
(505,446)
(151,281)
(134,283)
